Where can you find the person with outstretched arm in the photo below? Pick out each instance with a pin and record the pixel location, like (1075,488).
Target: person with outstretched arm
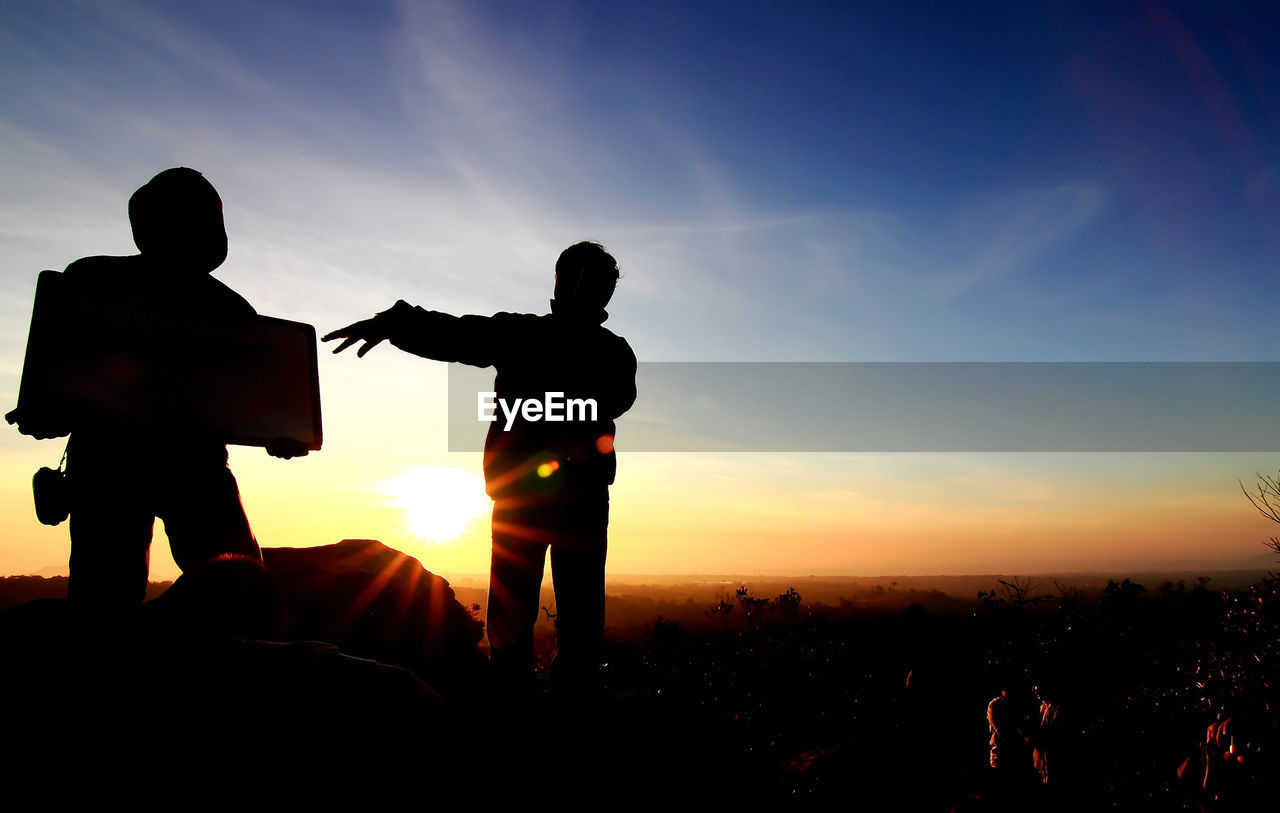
(549,479)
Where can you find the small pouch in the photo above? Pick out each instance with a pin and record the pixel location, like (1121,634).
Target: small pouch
(52,491)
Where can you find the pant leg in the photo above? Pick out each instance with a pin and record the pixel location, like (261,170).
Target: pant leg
(578,554)
(111,525)
(202,512)
(515,583)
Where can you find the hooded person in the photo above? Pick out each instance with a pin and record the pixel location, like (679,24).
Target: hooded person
(124,476)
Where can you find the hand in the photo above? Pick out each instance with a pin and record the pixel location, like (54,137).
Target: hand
(287,448)
(369,331)
(372,332)
(34,427)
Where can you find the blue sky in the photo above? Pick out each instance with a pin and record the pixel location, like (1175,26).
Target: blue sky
(816,181)
(802,181)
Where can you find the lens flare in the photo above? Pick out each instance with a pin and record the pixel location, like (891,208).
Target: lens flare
(548,469)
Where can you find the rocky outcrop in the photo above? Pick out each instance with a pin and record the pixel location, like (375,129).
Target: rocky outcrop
(335,661)
(372,601)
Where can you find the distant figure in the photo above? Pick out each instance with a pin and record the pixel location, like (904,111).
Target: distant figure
(549,480)
(121,477)
(1046,729)
(1007,724)
(1217,766)
(1054,747)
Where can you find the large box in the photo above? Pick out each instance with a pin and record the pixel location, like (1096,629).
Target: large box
(95,359)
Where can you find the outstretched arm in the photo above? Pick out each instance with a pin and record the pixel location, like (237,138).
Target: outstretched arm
(372,332)
(441,336)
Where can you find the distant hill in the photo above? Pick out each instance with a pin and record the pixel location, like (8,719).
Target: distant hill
(636,600)
(15,590)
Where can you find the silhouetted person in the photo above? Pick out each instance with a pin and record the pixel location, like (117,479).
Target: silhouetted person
(123,477)
(549,480)
(1056,748)
(1007,724)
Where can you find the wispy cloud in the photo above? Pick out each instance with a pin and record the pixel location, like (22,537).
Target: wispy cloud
(991,240)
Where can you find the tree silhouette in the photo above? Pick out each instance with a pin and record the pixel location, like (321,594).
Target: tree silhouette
(1267,500)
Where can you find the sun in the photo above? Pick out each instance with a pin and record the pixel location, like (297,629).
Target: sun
(438,502)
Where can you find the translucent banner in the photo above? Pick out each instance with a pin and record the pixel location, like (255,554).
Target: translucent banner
(925,407)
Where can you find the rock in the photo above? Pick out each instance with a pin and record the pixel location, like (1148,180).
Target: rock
(100,702)
(364,645)
(375,602)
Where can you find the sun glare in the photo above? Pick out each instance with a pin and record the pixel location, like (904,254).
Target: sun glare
(438,502)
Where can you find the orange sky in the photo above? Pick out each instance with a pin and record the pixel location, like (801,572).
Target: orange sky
(740,513)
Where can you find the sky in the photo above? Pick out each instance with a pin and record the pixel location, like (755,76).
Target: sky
(780,182)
